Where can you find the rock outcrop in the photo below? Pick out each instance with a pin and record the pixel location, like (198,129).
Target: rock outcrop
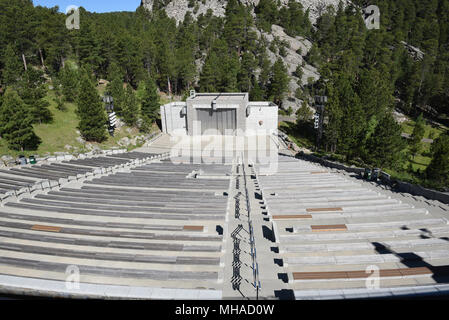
(297,49)
(178,8)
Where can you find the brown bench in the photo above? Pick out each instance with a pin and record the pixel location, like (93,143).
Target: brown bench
(46,228)
(443,270)
(193,228)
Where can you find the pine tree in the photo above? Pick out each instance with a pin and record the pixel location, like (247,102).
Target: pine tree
(304,114)
(90,111)
(220,70)
(417,136)
(256,93)
(33,92)
(278,82)
(352,123)
(59,98)
(299,72)
(208,79)
(16,124)
(150,105)
(334,116)
(130,108)
(116,90)
(264,76)
(385,144)
(13,68)
(375,93)
(187,45)
(69,79)
(237,24)
(244,76)
(267,14)
(438,170)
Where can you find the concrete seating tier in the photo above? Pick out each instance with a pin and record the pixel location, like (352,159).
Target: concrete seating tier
(330,230)
(27,177)
(167,176)
(134,228)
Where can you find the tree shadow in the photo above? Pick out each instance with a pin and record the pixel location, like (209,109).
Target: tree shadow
(414,161)
(440,274)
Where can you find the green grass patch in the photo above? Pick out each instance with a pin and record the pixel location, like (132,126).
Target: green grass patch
(302,135)
(62,132)
(430,131)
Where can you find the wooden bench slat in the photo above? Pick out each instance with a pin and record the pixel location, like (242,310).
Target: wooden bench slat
(444,270)
(46,228)
(193,228)
(415,271)
(390,273)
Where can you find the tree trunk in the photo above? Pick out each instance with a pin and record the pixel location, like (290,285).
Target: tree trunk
(24,62)
(42,58)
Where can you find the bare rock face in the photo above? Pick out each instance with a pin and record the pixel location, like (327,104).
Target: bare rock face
(178,8)
(298,48)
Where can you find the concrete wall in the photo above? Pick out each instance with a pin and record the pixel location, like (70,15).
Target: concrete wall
(173,122)
(236,101)
(263,119)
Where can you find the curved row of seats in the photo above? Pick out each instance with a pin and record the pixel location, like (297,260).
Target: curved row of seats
(25,179)
(332,231)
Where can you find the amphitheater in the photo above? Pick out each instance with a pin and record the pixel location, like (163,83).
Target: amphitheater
(159,224)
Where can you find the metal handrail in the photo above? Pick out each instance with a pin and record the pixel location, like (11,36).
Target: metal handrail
(255,265)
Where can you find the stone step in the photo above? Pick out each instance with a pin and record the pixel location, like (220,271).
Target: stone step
(431,232)
(87,253)
(162,216)
(415,256)
(361,245)
(399,291)
(108,242)
(38,286)
(137,273)
(111,223)
(349,215)
(184,236)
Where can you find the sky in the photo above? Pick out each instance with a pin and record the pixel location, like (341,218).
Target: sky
(92,5)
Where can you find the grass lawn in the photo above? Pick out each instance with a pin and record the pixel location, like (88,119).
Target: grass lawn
(430,131)
(302,137)
(422,160)
(62,132)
